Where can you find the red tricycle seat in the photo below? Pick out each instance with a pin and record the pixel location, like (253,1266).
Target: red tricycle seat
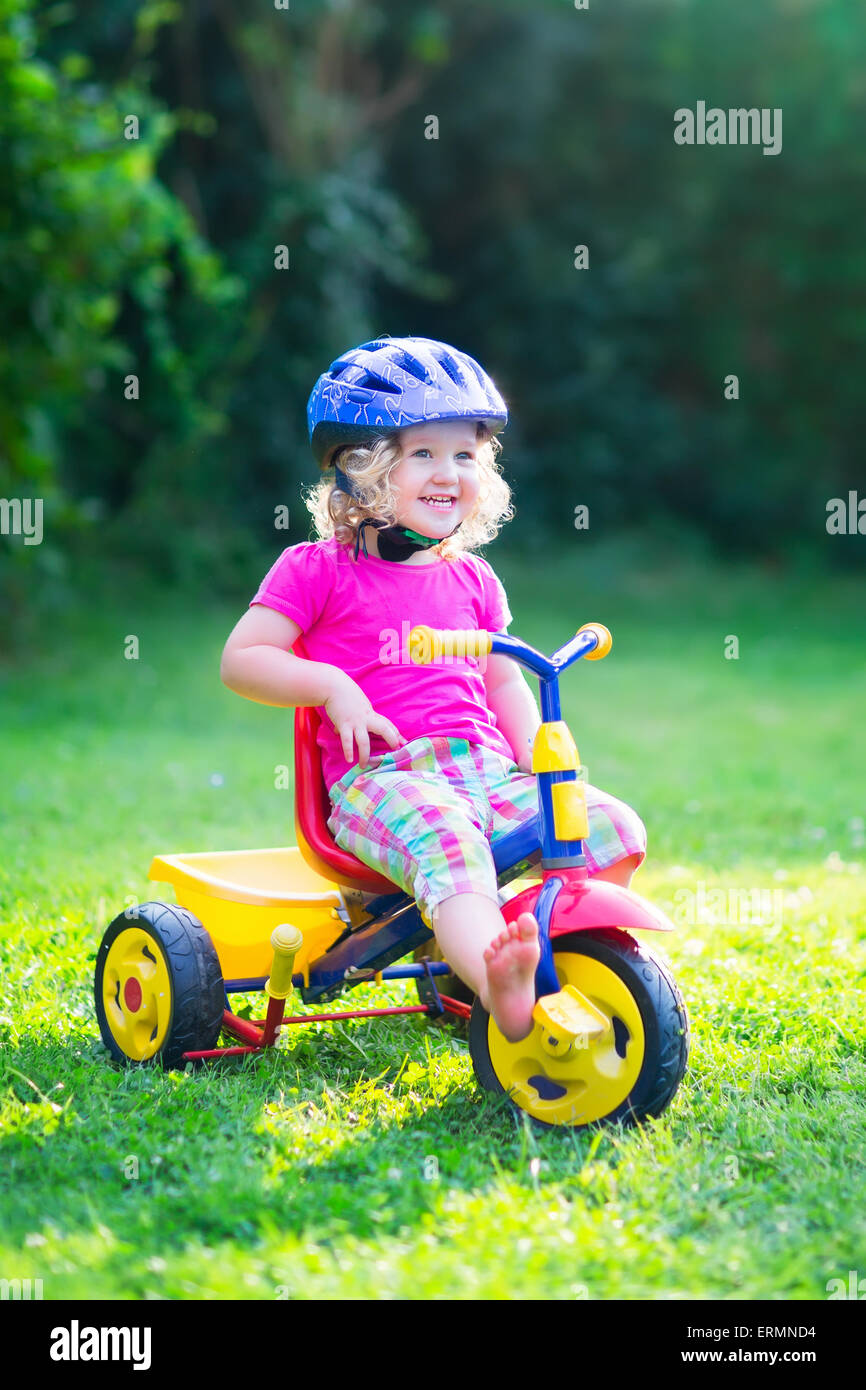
(312,809)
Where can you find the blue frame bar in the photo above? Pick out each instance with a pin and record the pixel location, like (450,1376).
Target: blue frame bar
(555,853)
(546,981)
(368,950)
(391,972)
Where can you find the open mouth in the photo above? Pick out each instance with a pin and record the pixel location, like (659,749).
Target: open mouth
(439,503)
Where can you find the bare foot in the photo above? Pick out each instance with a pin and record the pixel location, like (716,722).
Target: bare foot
(511,960)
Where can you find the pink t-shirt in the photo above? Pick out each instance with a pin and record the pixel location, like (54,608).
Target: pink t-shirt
(358,617)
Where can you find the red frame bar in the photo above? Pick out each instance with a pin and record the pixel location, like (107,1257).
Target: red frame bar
(355,1013)
(271,1024)
(263,1032)
(241,1028)
(456,1006)
(218,1052)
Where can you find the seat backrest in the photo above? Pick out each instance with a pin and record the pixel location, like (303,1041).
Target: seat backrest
(313,808)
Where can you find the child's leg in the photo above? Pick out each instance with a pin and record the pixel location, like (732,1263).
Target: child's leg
(497,961)
(420,818)
(621,872)
(431,835)
(616,845)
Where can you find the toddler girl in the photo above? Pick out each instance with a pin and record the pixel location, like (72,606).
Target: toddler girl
(426,766)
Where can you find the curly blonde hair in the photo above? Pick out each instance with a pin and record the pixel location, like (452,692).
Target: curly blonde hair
(337,514)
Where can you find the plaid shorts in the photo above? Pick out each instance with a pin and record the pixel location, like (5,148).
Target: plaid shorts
(426,815)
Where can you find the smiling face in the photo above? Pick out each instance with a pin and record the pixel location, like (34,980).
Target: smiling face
(437,481)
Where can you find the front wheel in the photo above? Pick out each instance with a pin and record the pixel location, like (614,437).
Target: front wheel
(630,1073)
(159,987)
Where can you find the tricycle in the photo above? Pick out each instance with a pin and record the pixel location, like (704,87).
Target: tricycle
(610,1035)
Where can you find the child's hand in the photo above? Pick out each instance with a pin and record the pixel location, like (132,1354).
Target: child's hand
(354,719)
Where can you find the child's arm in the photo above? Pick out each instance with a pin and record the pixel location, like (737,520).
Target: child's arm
(256,663)
(511,700)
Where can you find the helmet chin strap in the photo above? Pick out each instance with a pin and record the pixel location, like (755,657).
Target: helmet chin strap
(395,543)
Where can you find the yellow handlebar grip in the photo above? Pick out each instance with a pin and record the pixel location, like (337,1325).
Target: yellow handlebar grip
(467,643)
(605,641)
(421,645)
(427,644)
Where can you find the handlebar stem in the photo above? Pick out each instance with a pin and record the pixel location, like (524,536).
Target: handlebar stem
(521,652)
(547,668)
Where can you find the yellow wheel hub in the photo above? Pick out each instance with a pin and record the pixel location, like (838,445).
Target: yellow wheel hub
(136,994)
(597,1075)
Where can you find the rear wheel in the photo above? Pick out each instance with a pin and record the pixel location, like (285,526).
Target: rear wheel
(159,987)
(630,1073)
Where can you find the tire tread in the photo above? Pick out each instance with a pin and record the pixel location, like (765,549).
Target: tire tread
(198,995)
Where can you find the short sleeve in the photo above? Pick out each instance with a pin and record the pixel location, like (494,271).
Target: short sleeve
(299,583)
(497,615)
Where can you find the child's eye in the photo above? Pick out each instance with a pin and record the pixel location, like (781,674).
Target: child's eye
(464,454)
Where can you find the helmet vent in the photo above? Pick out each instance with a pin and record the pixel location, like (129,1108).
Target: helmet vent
(369,382)
(448,365)
(411,365)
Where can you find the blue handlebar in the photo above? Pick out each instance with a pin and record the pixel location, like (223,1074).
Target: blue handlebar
(545,667)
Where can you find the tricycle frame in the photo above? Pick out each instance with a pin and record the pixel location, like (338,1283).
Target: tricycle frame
(393,925)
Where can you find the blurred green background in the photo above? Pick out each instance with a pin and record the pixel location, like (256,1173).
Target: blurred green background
(305,127)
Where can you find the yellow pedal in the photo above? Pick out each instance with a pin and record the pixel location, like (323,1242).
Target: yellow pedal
(569,1021)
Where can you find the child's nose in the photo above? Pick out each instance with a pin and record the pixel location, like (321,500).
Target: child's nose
(446,469)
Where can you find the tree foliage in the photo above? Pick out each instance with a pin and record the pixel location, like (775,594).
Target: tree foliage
(309,128)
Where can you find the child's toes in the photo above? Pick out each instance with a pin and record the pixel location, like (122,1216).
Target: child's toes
(527,926)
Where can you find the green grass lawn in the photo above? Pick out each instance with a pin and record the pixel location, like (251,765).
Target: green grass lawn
(361,1159)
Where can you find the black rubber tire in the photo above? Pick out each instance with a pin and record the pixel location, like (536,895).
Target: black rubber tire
(451,985)
(663,1014)
(197,990)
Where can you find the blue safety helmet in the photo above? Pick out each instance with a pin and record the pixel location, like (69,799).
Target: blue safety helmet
(392,383)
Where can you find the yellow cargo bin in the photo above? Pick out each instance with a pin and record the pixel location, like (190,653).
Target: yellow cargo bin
(240,896)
